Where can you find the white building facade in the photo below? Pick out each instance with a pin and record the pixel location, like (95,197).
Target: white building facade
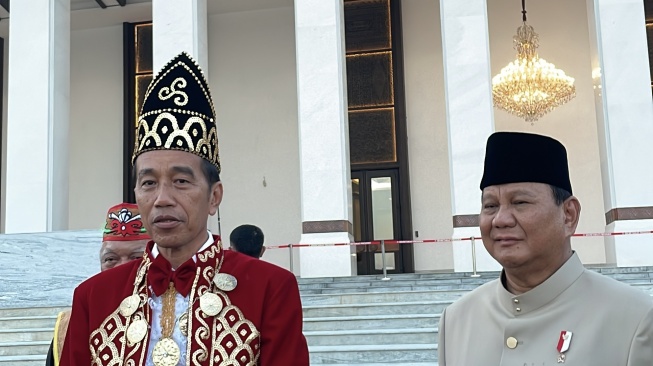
(312,154)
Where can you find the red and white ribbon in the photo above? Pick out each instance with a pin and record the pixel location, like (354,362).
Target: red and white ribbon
(565,341)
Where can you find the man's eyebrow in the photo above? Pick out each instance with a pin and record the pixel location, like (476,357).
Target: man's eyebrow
(184,170)
(523,192)
(106,251)
(145,171)
(487,196)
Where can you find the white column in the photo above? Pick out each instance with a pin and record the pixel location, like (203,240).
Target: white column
(470,119)
(624,112)
(179,25)
(323,138)
(38,113)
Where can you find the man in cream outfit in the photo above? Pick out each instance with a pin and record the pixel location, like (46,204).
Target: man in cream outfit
(546,309)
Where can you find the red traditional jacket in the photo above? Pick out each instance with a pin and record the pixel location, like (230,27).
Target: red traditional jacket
(260,322)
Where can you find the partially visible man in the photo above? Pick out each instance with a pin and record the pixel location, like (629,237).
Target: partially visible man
(188,302)
(546,308)
(247,239)
(124,239)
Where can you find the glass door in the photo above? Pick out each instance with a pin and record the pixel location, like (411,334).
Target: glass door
(376,217)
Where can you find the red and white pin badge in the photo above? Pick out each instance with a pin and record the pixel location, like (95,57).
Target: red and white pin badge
(563,345)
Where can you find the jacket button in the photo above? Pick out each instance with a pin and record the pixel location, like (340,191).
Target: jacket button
(511,342)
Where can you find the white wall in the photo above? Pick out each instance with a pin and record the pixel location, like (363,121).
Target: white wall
(96,125)
(253,81)
(564,41)
(428,151)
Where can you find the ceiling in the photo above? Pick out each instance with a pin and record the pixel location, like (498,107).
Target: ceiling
(214,6)
(91,13)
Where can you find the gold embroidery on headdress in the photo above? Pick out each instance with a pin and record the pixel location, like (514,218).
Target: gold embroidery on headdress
(178,113)
(168,92)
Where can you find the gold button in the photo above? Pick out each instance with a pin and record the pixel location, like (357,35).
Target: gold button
(516,301)
(518,309)
(511,342)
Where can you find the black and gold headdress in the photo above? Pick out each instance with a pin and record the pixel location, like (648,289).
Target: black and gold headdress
(178,113)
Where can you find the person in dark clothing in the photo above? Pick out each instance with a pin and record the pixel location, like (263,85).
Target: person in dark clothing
(247,239)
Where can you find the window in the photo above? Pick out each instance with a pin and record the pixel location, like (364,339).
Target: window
(138,72)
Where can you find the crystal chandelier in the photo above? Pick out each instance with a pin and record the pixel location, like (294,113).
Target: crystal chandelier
(530,87)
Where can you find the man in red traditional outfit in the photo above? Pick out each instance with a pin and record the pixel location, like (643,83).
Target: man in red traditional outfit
(188,301)
(123,239)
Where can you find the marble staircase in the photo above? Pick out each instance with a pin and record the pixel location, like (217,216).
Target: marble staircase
(361,321)
(25,335)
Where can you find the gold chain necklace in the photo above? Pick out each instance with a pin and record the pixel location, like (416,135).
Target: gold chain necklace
(166,351)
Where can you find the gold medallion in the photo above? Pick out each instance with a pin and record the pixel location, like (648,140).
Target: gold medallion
(183,324)
(166,353)
(136,331)
(129,305)
(210,304)
(225,281)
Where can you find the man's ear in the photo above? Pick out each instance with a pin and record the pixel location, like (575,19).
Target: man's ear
(571,210)
(215,197)
(262,251)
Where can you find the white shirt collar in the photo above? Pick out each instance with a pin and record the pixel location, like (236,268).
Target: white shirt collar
(209,241)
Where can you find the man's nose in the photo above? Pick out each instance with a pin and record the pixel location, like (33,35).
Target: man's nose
(164,196)
(504,217)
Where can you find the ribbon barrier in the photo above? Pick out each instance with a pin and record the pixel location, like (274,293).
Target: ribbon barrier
(472,239)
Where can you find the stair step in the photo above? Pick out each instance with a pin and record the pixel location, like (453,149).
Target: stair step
(24,348)
(23,360)
(613,270)
(394,283)
(382,297)
(328,289)
(355,354)
(349,290)
(26,334)
(35,311)
(415,307)
(372,336)
(372,322)
(23,322)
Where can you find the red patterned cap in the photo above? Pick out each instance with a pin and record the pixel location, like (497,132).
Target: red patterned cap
(124,224)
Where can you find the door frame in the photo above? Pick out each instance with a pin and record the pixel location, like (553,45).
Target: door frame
(365,259)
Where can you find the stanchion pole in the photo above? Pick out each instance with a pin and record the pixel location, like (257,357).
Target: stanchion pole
(474,274)
(291,261)
(385,270)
